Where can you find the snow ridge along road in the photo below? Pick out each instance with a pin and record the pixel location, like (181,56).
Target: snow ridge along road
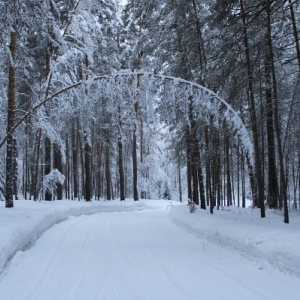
(243,230)
(137,255)
(22,225)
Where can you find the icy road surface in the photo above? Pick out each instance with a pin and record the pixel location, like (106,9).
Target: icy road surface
(137,255)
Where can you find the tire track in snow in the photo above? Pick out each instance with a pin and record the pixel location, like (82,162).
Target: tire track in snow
(51,264)
(136,255)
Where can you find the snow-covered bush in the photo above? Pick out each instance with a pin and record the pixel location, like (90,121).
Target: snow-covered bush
(51,180)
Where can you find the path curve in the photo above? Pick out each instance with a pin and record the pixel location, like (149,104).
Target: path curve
(137,255)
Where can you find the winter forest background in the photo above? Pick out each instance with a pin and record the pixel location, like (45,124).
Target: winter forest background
(104,101)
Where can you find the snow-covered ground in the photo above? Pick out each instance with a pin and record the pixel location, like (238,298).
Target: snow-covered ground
(145,250)
(268,239)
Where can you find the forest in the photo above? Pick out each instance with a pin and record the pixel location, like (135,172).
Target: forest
(156,99)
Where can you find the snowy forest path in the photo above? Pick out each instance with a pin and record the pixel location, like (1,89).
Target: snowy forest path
(134,255)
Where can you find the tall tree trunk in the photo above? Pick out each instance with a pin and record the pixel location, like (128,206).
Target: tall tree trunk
(74,162)
(195,184)
(259,199)
(189,179)
(228,178)
(87,147)
(194,155)
(47,145)
(238,174)
(35,181)
(87,161)
(295,32)
(82,167)
(283,186)
(219,177)
(48,194)
(58,166)
(143,167)
(243,180)
(298,166)
(120,159)
(107,174)
(134,138)
(134,165)
(10,151)
(189,163)
(15,169)
(26,189)
(195,166)
(121,169)
(99,171)
(134,141)
(272,170)
(200,44)
(179,181)
(201,187)
(207,167)
(67,168)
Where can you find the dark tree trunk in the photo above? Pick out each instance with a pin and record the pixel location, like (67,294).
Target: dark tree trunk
(193,153)
(195,184)
(134,165)
(107,174)
(35,181)
(99,171)
(67,168)
(295,31)
(243,181)
(179,183)
(195,165)
(134,146)
(121,169)
(228,178)
(201,187)
(120,159)
(283,185)
(189,163)
(143,168)
(15,169)
(189,179)
(48,194)
(75,162)
(207,168)
(10,145)
(200,44)
(216,168)
(259,198)
(82,166)
(272,170)
(87,160)
(58,166)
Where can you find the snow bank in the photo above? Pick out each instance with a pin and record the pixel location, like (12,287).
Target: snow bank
(22,225)
(243,230)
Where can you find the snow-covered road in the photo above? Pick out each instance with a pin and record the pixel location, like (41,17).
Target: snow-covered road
(137,255)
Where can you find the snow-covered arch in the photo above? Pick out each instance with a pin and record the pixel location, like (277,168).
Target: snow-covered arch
(179,94)
(143,85)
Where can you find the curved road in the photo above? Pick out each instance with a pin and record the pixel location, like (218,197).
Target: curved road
(138,255)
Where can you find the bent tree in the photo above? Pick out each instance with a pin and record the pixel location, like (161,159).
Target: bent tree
(164,101)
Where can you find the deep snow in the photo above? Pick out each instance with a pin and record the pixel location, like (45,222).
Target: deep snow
(136,251)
